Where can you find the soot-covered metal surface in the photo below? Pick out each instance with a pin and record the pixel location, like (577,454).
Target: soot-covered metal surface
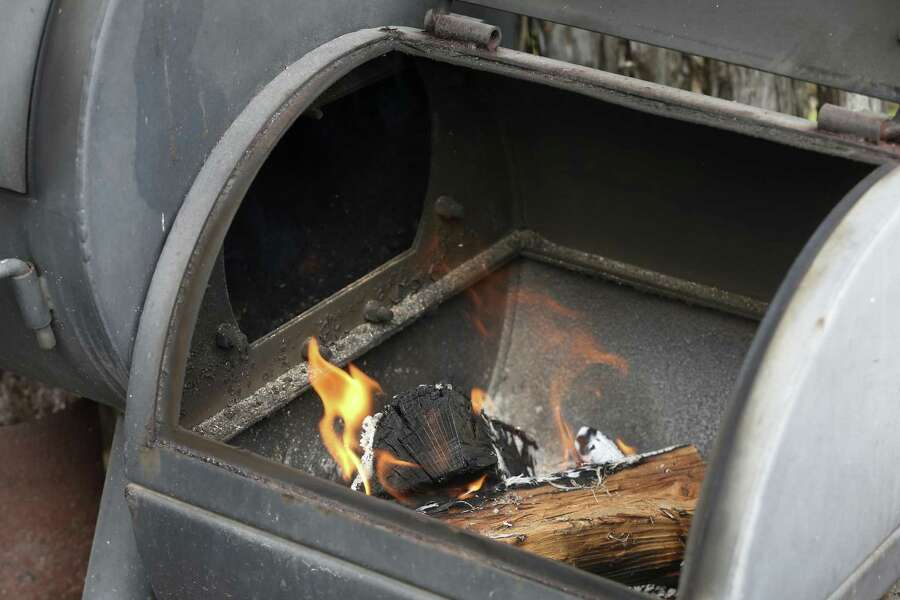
(317,217)
(648,369)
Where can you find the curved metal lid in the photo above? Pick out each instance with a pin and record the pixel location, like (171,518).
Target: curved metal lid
(805,470)
(849,45)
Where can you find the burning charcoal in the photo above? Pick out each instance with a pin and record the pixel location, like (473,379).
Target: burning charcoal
(433,439)
(431,442)
(595,448)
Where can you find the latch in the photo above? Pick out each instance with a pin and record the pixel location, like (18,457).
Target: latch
(441,23)
(870,126)
(31,299)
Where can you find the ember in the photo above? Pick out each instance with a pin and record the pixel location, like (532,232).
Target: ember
(439,448)
(385,462)
(480,399)
(625,448)
(473,487)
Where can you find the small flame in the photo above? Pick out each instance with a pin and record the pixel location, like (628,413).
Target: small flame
(584,352)
(384,462)
(345,397)
(625,448)
(480,399)
(472,487)
(562,335)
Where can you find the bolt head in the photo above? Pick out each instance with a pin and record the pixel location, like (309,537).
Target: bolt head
(376,312)
(229,336)
(449,209)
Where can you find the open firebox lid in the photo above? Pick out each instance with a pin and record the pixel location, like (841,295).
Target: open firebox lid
(849,45)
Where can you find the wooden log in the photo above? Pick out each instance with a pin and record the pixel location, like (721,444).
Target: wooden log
(630,526)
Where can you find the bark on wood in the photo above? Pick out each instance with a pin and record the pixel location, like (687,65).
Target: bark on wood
(631,527)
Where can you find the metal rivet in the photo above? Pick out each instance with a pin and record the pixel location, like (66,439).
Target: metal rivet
(229,336)
(376,312)
(448,208)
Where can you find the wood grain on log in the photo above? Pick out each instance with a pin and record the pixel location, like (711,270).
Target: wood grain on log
(630,527)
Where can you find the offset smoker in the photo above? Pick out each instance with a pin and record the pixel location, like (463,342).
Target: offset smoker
(374,189)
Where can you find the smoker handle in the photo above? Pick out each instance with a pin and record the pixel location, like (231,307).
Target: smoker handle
(31,299)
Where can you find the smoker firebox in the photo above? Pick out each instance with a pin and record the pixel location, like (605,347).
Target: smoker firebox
(610,259)
(648,237)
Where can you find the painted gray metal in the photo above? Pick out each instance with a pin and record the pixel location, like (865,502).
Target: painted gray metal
(848,45)
(806,469)
(199,488)
(213,557)
(309,513)
(21,27)
(115,570)
(132,96)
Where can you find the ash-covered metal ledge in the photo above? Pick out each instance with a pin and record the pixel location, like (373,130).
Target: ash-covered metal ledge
(276,394)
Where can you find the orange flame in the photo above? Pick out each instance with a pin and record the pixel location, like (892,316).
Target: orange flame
(345,397)
(384,461)
(472,487)
(562,336)
(480,399)
(585,352)
(625,448)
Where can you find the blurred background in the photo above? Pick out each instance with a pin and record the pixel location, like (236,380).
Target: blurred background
(685,71)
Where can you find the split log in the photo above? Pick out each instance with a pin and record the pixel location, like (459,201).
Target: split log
(630,526)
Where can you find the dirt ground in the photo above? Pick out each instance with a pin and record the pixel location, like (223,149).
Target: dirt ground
(24,400)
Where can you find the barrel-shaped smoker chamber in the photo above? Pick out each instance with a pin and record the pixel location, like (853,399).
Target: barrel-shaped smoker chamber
(662,223)
(437,178)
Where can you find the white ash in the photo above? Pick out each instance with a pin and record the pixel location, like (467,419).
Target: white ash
(659,591)
(572,479)
(588,470)
(366,442)
(595,448)
(501,465)
(502,469)
(508,438)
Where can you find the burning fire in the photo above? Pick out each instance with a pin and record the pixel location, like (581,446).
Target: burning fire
(585,352)
(625,448)
(480,399)
(384,461)
(472,488)
(346,397)
(562,336)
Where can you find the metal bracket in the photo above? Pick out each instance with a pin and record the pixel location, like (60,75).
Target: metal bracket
(870,126)
(31,299)
(460,28)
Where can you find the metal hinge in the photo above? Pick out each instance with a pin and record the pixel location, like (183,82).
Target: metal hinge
(870,126)
(31,299)
(441,23)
